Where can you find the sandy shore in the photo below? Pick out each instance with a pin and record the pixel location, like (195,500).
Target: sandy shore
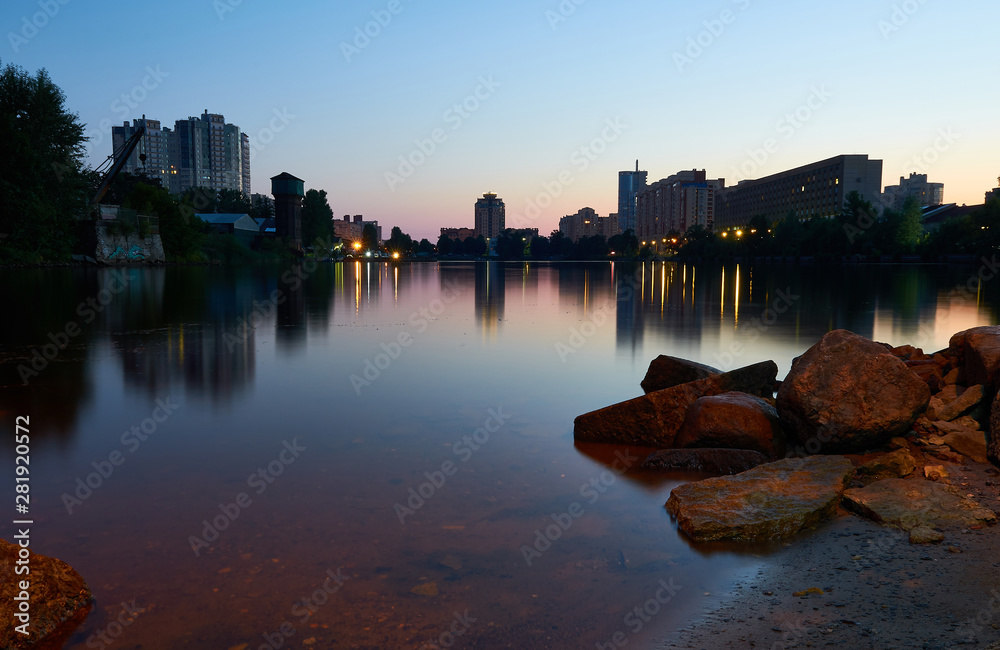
(878,590)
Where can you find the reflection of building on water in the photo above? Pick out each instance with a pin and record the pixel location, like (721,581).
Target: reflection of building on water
(290,326)
(490,296)
(215,359)
(651,295)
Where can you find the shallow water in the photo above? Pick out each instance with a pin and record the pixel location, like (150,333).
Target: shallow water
(458,381)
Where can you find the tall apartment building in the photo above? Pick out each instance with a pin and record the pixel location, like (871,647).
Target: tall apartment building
(587,223)
(490,216)
(916,186)
(816,190)
(199,152)
(630,184)
(676,203)
(155,145)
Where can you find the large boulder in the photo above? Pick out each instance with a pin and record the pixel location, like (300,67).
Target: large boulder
(654,419)
(963,403)
(982,354)
(993,444)
(60,600)
(710,461)
(733,421)
(768,502)
(667,372)
(848,394)
(915,503)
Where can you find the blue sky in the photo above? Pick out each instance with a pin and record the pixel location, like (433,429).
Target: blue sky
(553,99)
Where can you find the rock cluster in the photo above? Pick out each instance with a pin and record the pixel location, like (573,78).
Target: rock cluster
(897,412)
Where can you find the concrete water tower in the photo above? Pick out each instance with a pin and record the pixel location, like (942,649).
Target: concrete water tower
(288,193)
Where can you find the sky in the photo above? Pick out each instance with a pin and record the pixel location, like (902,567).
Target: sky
(407,111)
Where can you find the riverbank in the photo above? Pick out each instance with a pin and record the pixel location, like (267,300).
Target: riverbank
(878,590)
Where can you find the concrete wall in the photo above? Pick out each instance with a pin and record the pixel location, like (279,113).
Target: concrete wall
(115,249)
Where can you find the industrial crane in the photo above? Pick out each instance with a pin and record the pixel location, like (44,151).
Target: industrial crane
(117,161)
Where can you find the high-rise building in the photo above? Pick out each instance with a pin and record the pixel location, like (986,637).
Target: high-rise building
(587,223)
(200,152)
(154,146)
(676,203)
(629,186)
(816,190)
(490,216)
(916,186)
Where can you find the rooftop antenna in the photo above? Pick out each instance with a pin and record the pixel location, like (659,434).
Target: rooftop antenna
(637,165)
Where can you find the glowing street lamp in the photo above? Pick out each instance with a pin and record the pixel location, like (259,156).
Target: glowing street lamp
(395,256)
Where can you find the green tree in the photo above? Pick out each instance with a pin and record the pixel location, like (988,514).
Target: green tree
(233,202)
(369,238)
(425,246)
(626,244)
(317,218)
(399,242)
(908,226)
(182,234)
(540,248)
(42,176)
(444,245)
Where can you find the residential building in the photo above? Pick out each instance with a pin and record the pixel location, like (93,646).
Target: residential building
(347,230)
(154,145)
(490,216)
(630,184)
(994,193)
(817,190)
(460,234)
(200,151)
(916,186)
(675,204)
(587,223)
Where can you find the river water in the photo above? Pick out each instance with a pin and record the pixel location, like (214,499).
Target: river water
(365,455)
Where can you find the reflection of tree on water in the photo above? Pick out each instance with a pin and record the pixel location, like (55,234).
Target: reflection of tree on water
(490,297)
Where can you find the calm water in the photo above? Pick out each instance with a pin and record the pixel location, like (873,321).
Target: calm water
(457,381)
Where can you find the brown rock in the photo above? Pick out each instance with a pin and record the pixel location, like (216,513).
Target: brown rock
(906,352)
(847,393)
(955,376)
(964,403)
(896,464)
(912,504)
(925,535)
(666,372)
(934,405)
(733,421)
(968,443)
(949,393)
(768,502)
(993,444)
(929,372)
(711,461)
(60,600)
(654,419)
(982,354)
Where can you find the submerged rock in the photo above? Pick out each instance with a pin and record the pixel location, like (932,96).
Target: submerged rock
(848,394)
(771,501)
(711,461)
(60,599)
(666,372)
(913,504)
(654,419)
(733,421)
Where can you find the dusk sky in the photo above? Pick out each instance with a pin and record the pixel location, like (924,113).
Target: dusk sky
(558,97)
